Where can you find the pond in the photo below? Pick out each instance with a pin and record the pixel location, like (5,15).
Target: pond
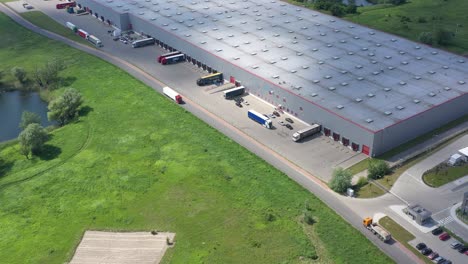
(12,105)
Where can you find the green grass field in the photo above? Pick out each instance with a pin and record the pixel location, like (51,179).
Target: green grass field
(136,161)
(436,13)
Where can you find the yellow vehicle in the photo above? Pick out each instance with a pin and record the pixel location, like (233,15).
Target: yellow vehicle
(210,79)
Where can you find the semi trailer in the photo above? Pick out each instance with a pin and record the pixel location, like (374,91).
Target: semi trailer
(71,26)
(236,91)
(65,5)
(83,33)
(173,59)
(259,118)
(375,228)
(306,132)
(210,79)
(93,39)
(172,94)
(168,55)
(143,42)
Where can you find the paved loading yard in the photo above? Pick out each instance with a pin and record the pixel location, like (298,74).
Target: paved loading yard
(121,248)
(318,155)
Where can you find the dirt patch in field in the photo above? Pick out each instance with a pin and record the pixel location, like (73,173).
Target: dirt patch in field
(122,248)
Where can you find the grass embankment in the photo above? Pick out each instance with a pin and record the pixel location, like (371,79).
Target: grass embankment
(443,173)
(40,19)
(403,236)
(137,161)
(424,15)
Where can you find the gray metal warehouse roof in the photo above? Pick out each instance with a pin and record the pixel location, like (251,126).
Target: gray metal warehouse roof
(372,78)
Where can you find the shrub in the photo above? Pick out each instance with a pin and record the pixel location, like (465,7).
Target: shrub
(426,38)
(308,218)
(443,36)
(362,181)
(422,20)
(377,169)
(341,180)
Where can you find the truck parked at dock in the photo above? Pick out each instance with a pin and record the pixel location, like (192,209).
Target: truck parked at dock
(162,56)
(173,59)
(306,132)
(233,92)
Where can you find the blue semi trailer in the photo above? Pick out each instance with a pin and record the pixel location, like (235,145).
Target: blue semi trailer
(259,118)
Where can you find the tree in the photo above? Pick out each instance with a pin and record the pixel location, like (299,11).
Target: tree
(426,38)
(66,107)
(47,77)
(29,118)
(341,180)
(337,10)
(32,139)
(443,36)
(377,169)
(19,73)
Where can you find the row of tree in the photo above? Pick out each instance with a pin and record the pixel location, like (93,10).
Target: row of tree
(63,110)
(45,77)
(341,179)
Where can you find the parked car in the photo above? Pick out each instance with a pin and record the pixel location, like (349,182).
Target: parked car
(455,245)
(447,262)
(439,259)
(420,246)
(433,255)
(289,120)
(444,236)
(276,113)
(463,249)
(271,116)
(426,251)
(282,123)
(289,126)
(437,231)
(466,253)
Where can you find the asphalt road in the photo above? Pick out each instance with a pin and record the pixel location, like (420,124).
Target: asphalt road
(396,251)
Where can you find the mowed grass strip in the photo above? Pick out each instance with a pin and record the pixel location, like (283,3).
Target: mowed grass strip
(148,164)
(403,236)
(425,16)
(438,177)
(41,20)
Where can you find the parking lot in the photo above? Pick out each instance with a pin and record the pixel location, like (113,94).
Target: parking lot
(318,154)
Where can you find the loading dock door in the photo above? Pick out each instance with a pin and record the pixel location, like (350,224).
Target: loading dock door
(365,149)
(336,136)
(345,141)
(232,79)
(355,146)
(327,132)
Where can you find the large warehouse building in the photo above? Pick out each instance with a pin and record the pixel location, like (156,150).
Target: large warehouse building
(370,90)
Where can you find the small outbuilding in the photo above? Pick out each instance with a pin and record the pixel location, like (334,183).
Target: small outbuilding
(418,213)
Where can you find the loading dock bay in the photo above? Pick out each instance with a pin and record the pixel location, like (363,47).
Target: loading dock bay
(319,155)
